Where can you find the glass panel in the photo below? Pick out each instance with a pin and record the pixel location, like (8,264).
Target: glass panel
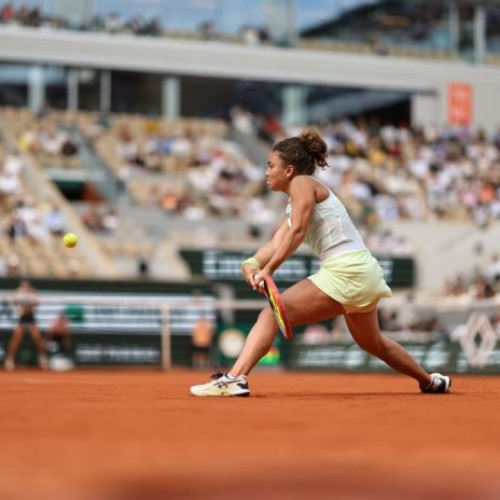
(14,80)
(89,88)
(136,92)
(56,92)
(493,28)
(383,27)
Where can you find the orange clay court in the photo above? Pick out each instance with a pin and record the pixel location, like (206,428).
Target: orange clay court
(137,434)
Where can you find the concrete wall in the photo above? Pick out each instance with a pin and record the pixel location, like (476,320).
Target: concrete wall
(425,109)
(445,249)
(427,78)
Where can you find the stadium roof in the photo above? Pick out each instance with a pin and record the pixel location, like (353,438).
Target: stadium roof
(220,60)
(365,9)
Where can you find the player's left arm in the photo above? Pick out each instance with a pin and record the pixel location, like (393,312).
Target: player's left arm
(303,200)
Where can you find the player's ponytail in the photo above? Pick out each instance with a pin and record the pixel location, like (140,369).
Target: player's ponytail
(315,145)
(305,152)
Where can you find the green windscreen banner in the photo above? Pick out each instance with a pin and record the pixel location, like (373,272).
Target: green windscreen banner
(438,356)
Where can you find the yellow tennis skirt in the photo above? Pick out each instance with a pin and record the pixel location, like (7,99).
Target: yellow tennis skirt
(355,279)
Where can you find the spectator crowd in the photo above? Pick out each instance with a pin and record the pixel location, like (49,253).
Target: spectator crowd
(113,23)
(189,170)
(33,16)
(23,217)
(389,172)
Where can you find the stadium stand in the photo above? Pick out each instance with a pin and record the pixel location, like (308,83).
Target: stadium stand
(381,173)
(37,211)
(394,172)
(184,169)
(31,228)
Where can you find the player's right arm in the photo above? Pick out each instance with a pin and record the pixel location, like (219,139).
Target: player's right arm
(264,254)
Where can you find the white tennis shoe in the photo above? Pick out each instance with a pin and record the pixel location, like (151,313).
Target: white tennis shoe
(223,385)
(439,384)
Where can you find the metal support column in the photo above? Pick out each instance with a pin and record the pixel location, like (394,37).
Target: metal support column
(171,97)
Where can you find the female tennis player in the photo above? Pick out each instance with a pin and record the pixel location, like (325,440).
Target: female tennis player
(350,281)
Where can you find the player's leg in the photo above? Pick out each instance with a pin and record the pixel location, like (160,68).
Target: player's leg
(13,346)
(365,330)
(304,302)
(199,358)
(66,342)
(37,339)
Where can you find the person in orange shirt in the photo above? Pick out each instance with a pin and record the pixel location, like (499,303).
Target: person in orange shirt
(202,335)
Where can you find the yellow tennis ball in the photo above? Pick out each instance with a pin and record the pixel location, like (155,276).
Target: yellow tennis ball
(70,240)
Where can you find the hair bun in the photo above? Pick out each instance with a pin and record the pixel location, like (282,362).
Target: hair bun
(315,145)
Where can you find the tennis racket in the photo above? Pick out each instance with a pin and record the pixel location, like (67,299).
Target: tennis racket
(270,290)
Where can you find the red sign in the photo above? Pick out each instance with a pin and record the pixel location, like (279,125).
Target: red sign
(459,104)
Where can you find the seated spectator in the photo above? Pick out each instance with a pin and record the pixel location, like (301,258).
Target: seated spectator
(207,31)
(169,200)
(68,147)
(142,266)
(113,23)
(110,221)
(10,187)
(58,333)
(152,162)
(92,219)
(455,286)
(27,210)
(7,13)
(54,221)
(182,145)
(128,152)
(13,265)
(14,164)
(242,120)
(37,231)
(493,269)
(250,35)
(481,289)
(16,228)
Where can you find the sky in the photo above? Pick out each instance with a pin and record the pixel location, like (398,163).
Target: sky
(229,15)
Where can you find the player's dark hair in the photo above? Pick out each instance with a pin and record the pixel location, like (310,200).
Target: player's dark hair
(305,152)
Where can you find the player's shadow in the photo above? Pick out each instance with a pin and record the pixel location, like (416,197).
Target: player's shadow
(345,395)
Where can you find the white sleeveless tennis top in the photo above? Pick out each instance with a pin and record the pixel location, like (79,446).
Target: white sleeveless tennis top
(331,230)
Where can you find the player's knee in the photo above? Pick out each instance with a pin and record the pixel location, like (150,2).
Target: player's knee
(18,334)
